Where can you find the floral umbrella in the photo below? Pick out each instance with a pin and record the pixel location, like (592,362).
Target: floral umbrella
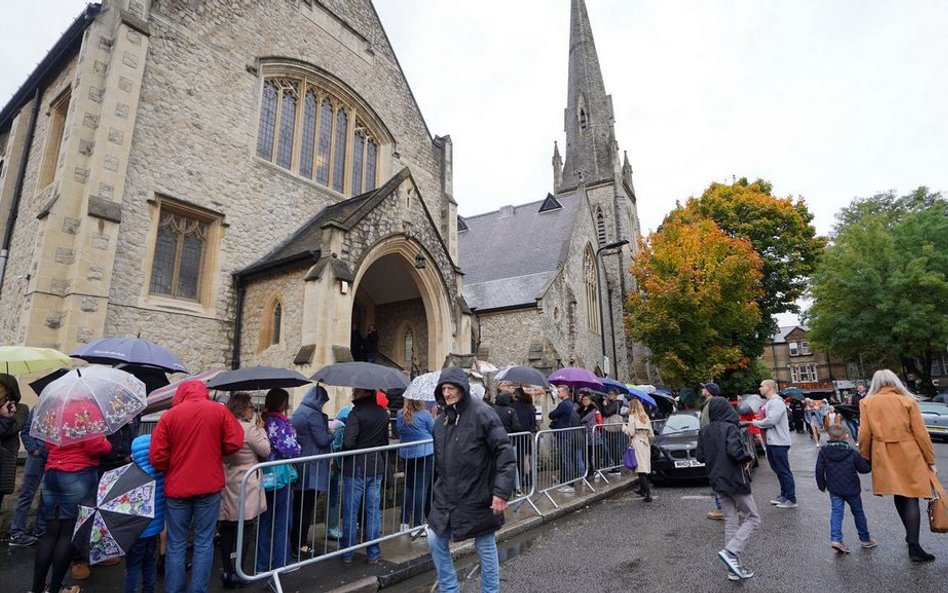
(86,403)
(124,505)
(422,387)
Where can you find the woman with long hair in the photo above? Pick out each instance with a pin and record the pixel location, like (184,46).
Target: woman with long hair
(273,531)
(641,435)
(527,414)
(893,437)
(256,448)
(415,423)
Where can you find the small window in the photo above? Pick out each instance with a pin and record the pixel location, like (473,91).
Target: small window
(409,346)
(600,227)
(794,348)
(179,261)
(805,348)
(276,324)
(54,139)
(583,120)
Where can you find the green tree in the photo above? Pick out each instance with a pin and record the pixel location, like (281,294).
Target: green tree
(696,299)
(781,232)
(881,289)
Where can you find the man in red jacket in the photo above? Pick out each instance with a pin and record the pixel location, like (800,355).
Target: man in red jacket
(188,445)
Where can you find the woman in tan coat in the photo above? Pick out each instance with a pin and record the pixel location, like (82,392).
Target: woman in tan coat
(893,437)
(256,448)
(639,429)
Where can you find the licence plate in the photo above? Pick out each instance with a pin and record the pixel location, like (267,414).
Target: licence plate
(689,463)
(937,429)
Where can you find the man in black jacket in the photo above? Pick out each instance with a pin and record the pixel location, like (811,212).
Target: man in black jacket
(366,427)
(721,448)
(475,468)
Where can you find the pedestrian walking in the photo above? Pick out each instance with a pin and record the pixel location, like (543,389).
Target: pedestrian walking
(893,437)
(366,427)
(721,448)
(188,445)
(777,425)
(13,417)
(415,424)
(641,435)
(33,470)
(709,390)
(475,466)
(837,470)
(141,560)
(312,432)
(71,476)
(273,528)
(255,448)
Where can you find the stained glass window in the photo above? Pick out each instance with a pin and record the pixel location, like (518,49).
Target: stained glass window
(371,157)
(178,262)
(268,110)
(287,125)
(358,146)
(308,141)
(325,142)
(339,150)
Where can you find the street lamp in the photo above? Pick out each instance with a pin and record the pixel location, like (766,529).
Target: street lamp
(602,325)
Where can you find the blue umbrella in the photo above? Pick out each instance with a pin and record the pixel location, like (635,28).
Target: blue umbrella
(642,396)
(662,391)
(135,351)
(608,383)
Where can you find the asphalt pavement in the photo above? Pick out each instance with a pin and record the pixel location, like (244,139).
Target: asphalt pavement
(624,544)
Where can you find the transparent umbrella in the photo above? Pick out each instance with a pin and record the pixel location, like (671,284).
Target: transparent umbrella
(86,403)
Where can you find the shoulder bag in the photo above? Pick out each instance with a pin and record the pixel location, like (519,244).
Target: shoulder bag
(938,507)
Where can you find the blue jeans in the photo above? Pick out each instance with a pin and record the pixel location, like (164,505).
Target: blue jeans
(33,471)
(418,472)
(179,513)
(354,488)
(571,457)
(273,531)
(486,547)
(836,518)
(140,563)
(779,459)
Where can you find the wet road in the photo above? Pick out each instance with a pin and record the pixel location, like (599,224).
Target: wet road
(623,544)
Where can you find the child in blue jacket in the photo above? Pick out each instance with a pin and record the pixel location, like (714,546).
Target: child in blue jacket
(837,470)
(140,561)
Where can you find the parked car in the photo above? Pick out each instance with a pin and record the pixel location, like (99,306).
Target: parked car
(935,416)
(673,452)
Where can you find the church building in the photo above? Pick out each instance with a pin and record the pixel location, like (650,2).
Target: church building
(546,280)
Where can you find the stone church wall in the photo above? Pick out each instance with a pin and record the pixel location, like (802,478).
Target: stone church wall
(392,320)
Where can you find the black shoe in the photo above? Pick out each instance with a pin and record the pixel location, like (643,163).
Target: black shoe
(917,554)
(648,498)
(228,580)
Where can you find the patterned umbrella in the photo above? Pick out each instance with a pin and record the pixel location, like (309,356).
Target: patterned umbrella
(576,378)
(423,387)
(85,403)
(123,507)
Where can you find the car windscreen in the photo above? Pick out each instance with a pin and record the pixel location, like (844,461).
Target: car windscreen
(681,423)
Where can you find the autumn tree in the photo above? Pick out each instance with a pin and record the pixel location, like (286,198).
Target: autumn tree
(881,289)
(696,301)
(780,231)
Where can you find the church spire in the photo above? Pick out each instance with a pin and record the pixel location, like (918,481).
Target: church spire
(557,168)
(588,120)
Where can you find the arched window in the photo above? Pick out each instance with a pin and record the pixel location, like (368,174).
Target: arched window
(409,347)
(318,134)
(271,323)
(276,324)
(592,290)
(600,226)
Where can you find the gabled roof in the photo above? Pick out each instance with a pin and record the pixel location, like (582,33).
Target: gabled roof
(305,243)
(510,256)
(785,330)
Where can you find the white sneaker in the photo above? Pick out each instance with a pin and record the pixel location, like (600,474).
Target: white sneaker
(404,527)
(566,490)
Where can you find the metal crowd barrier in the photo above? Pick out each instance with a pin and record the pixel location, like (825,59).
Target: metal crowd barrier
(351,500)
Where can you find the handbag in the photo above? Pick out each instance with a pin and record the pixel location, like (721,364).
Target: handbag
(938,507)
(630,461)
(276,477)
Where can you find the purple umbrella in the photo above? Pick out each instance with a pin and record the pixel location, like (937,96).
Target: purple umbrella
(576,378)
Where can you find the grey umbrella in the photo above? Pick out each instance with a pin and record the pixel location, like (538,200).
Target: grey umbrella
(522,375)
(253,378)
(362,375)
(749,404)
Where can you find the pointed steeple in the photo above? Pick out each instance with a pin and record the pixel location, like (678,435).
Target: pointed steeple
(557,168)
(588,120)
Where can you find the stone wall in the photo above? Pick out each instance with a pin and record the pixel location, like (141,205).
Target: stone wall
(288,288)
(392,320)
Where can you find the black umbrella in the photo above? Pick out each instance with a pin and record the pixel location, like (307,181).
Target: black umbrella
(153,378)
(120,509)
(522,375)
(253,378)
(848,411)
(131,351)
(362,375)
(665,403)
(793,392)
(40,384)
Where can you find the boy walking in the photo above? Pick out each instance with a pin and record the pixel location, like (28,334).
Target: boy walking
(720,447)
(837,470)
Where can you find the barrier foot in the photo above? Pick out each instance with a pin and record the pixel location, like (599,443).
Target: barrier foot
(275,585)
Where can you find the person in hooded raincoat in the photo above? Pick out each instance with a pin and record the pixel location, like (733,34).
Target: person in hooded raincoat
(475,468)
(312,432)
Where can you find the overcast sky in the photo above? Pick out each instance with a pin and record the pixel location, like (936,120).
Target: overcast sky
(826,99)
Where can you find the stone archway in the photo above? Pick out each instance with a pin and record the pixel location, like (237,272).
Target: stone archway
(404,302)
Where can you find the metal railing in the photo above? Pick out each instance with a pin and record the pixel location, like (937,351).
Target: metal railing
(355,500)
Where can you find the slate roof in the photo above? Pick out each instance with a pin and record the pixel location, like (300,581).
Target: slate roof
(305,243)
(509,256)
(783,331)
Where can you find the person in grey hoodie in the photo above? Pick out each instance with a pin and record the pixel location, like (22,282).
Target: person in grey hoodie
(778,443)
